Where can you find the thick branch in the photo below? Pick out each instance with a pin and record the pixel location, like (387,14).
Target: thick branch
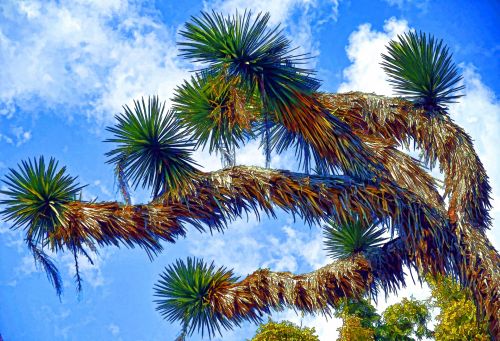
(314,292)
(224,195)
(466,182)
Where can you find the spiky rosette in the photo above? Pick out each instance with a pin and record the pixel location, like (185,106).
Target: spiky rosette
(345,240)
(184,294)
(37,195)
(214,112)
(259,58)
(153,149)
(421,69)
(245,47)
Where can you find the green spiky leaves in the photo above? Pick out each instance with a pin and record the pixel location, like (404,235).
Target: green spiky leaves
(183,295)
(153,149)
(421,69)
(343,241)
(257,60)
(214,111)
(36,197)
(243,47)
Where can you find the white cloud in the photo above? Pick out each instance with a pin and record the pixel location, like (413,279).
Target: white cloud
(92,274)
(17,137)
(280,11)
(27,266)
(91,55)
(236,248)
(364,50)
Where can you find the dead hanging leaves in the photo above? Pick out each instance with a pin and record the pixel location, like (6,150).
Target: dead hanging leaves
(356,132)
(318,291)
(398,123)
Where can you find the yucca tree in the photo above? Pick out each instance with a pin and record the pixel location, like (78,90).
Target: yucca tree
(270,87)
(251,83)
(37,199)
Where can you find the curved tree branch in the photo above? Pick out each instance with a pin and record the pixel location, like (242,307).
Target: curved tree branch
(466,182)
(222,196)
(314,292)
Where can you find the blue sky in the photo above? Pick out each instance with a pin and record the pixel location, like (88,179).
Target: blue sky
(66,67)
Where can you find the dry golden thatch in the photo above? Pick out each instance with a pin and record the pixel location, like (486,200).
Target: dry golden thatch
(317,291)
(350,131)
(229,193)
(398,122)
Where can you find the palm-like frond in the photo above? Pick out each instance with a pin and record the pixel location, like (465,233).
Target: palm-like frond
(308,157)
(352,237)
(153,149)
(37,196)
(184,291)
(421,69)
(213,111)
(388,264)
(43,260)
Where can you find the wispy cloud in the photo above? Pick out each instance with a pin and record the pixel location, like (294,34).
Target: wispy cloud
(115,331)
(89,55)
(16,137)
(421,5)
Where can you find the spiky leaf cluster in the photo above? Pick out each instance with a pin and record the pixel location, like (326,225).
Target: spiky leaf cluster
(214,111)
(307,156)
(152,148)
(420,68)
(259,58)
(345,240)
(243,46)
(183,295)
(36,197)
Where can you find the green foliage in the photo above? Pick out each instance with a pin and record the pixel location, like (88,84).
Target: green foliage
(361,308)
(343,241)
(182,296)
(36,197)
(284,331)
(457,319)
(211,111)
(352,329)
(405,319)
(152,147)
(242,49)
(420,68)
